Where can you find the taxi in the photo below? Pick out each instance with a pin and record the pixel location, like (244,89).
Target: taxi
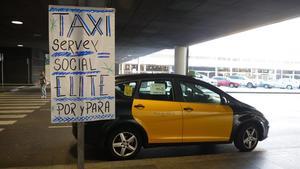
(163,109)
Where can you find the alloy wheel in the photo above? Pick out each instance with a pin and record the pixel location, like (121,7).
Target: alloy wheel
(250,138)
(124,144)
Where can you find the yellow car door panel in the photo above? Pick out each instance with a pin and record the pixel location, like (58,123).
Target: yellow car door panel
(205,118)
(162,120)
(206,122)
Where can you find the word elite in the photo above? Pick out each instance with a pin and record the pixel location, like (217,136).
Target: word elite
(76,86)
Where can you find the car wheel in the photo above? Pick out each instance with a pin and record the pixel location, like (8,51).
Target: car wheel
(266,86)
(123,144)
(246,138)
(249,85)
(289,87)
(231,85)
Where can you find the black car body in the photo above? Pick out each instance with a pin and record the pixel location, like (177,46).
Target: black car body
(153,119)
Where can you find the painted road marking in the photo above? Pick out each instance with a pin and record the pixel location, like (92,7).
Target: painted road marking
(17,88)
(9,95)
(17,108)
(1,129)
(57,127)
(24,101)
(18,99)
(12,116)
(16,111)
(8,122)
(24,104)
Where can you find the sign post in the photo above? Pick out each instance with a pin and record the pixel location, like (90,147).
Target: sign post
(82,63)
(2,69)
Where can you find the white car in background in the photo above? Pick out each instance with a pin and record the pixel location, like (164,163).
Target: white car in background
(286,83)
(206,79)
(243,81)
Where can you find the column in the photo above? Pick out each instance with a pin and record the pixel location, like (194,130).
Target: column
(180,60)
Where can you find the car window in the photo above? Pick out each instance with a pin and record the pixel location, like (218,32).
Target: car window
(192,92)
(126,89)
(156,90)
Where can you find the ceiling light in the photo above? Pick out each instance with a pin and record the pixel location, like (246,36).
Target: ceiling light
(20,45)
(17,22)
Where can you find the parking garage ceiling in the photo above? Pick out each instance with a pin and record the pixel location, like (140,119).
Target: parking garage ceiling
(145,26)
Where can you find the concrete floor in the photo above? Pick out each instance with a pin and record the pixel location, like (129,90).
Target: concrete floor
(32,142)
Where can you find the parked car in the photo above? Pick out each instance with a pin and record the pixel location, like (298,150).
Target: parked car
(206,79)
(286,83)
(225,81)
(268,84)
(243,81)
(189,111)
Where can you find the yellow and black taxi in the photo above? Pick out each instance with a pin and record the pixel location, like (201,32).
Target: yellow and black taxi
(160,109)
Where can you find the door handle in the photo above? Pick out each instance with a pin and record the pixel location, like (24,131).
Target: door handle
(188,109)
(139,106)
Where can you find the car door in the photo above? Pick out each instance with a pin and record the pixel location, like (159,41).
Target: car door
(154,109)
(205,118)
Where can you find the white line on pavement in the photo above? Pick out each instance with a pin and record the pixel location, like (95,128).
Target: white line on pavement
(15,111)
(17,88)
(24,101)
(57,127)
(8,122)
(9,99)
(45,109)
(16,95)
(22,104)
(14,98)
(12,116)
(1,129)
(18,108)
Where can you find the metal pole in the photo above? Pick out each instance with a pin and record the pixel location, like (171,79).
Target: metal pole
(2,69)
(80,127)
(80,145)
(28,70)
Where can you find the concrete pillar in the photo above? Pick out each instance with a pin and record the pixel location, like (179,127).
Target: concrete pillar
(138,65)
(180,60)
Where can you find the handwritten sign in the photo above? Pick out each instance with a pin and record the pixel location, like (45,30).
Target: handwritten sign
(82,61)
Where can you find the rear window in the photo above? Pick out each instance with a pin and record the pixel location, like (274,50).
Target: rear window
(126,89)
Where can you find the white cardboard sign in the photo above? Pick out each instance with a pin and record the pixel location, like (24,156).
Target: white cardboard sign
(82,63)
(158,89)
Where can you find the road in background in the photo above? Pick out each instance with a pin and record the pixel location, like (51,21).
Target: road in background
(28,139)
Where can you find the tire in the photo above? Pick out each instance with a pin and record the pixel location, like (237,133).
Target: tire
(249,85)
(231,85)
(266,86)
(247,137)
(123,144)
(289,87)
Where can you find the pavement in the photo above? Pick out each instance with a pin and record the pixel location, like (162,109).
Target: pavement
(29,141)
